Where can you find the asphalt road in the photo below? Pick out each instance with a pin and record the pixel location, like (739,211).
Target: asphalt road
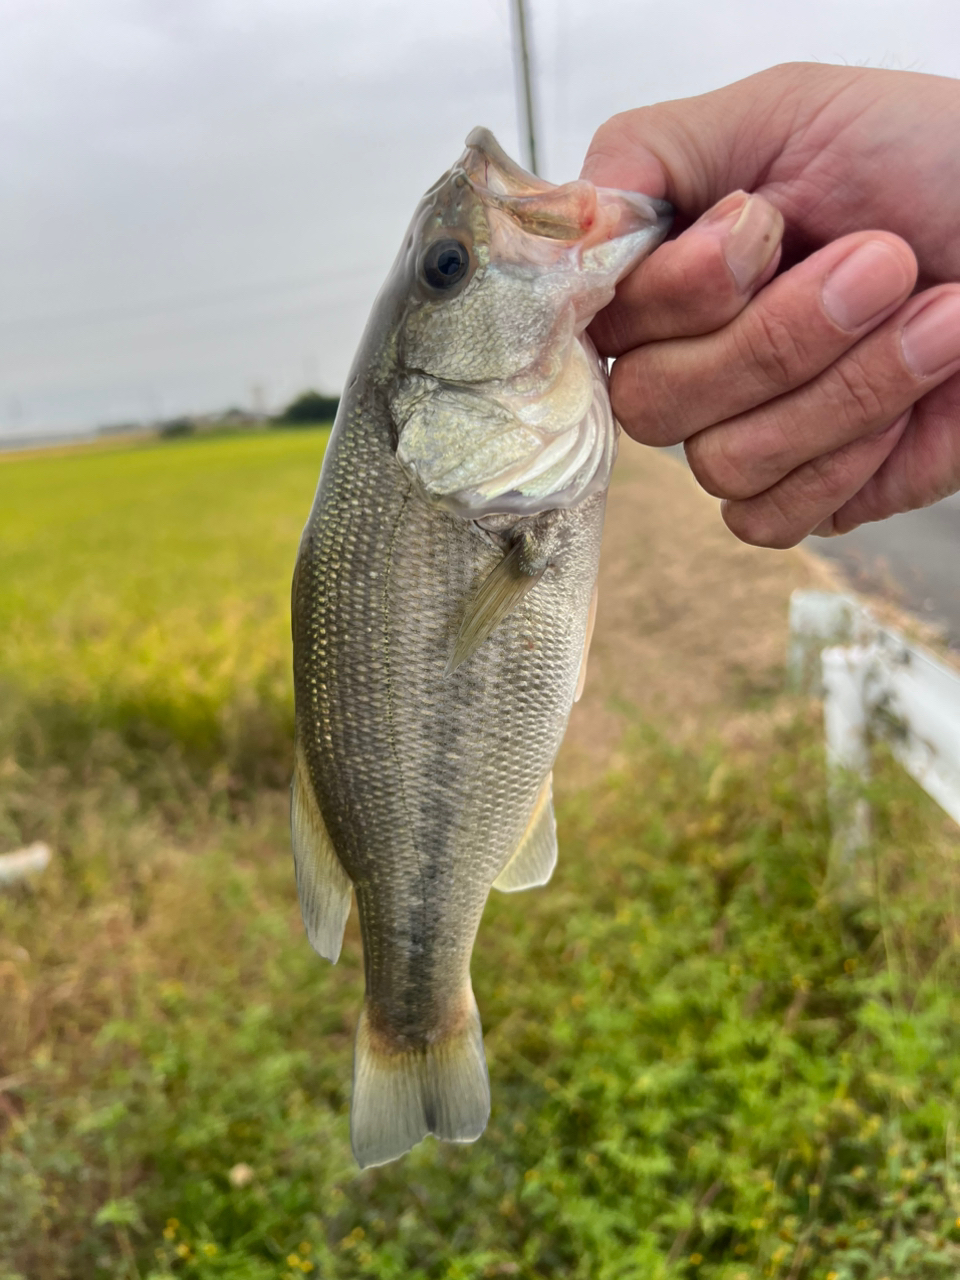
(915,558)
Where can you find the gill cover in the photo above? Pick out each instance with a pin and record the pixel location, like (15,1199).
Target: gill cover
(501,403)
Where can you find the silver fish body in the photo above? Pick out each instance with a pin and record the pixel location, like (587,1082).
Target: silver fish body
(441,606)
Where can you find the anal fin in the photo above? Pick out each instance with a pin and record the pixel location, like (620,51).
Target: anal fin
(536,855)
(322,884)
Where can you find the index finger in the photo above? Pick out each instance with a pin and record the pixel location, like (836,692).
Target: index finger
(697,283)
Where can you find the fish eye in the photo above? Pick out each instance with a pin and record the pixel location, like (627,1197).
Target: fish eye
(445,264)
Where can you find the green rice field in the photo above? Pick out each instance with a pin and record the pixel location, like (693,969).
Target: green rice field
(701,1066)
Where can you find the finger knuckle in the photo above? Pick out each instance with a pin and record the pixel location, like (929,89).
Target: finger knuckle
(611,331)
(825,477)
(854,397)
(694,282)
(761,522)
(719,465)
(770,351)
(643,400)
(783,515)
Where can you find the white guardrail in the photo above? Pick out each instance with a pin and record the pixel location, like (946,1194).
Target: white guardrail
(875,684)
(23,864)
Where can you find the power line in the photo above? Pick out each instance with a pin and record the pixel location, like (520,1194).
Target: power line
(521,54)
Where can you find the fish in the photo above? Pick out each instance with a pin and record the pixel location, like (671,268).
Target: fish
(442,605)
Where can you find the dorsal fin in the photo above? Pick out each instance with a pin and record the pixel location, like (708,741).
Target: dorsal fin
(322,884)
(500,593)
(536,854)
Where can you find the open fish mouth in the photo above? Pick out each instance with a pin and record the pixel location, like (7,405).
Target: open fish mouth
(573,211)
(501,406)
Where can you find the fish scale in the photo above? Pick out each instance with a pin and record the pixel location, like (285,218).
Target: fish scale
(436,656)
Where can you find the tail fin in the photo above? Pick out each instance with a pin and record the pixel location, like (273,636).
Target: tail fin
(398,1098)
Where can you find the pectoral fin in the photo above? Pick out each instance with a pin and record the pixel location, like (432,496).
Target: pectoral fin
(322,884)
(501,592)
(536,854)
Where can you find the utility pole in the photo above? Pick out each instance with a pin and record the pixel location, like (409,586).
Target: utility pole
(521,56)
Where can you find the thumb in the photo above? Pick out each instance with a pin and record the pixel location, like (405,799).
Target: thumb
(693,151)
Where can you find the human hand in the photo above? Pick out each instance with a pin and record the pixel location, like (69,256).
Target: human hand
(827,395)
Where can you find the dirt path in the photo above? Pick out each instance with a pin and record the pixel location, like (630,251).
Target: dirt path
(691,625)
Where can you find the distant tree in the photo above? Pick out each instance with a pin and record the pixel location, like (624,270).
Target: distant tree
(177,427)
(310,406)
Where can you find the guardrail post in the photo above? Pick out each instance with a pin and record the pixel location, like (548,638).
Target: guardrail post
(818,619)
(23,863)
(875,683)
(845,674)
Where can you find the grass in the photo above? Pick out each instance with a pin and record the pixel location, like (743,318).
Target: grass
(700,1066)
(145,591)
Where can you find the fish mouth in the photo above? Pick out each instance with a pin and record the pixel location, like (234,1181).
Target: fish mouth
(487,165)
(514,418)
(573,212)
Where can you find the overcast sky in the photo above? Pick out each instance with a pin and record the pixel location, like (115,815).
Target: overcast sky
(199,198)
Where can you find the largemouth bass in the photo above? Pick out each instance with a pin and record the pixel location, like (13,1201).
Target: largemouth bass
(442,610)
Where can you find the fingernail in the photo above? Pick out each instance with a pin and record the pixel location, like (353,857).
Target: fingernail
(865,283)
(725,210)
(752,241)
(931,339)
(824,529)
